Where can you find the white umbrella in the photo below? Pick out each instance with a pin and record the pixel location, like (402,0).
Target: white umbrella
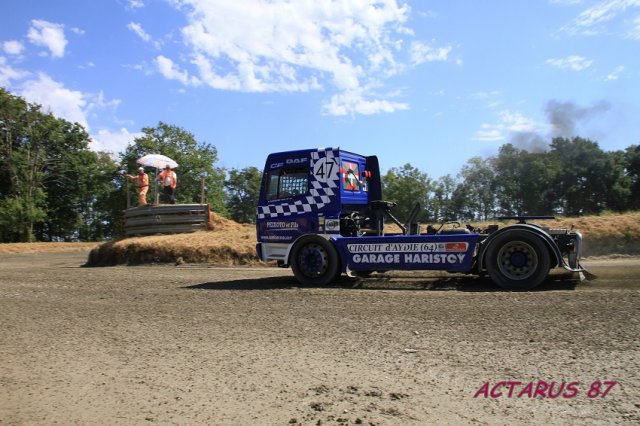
(158,161)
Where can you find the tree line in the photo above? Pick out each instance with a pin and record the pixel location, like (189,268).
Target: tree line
(53,187)
(573,177)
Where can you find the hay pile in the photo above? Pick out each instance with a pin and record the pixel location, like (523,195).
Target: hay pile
(227,243)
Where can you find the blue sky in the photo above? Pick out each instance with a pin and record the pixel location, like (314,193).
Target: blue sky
(431,83)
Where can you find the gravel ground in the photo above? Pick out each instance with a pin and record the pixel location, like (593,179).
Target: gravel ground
(193,344)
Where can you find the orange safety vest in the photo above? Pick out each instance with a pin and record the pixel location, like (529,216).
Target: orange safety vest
(173,179)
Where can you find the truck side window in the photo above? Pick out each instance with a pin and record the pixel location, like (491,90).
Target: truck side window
(287,183)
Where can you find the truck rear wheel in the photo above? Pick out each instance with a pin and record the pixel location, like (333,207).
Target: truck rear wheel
(314,261)
(518,260)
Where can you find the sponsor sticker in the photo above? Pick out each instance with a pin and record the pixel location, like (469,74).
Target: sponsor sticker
(449,247)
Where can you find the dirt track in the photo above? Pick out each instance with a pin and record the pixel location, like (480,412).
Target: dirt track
(204,345)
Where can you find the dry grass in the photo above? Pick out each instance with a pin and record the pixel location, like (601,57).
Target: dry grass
(608,234)
(17,248)
(231,243)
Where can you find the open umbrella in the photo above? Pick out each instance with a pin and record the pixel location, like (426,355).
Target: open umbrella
(158,161)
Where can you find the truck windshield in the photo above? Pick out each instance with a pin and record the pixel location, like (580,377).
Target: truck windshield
(287,183)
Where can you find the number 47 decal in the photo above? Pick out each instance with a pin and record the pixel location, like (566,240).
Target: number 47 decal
(325,169)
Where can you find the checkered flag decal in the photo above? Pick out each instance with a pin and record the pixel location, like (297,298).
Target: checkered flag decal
(320,190)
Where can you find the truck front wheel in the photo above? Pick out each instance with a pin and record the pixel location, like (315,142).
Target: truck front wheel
(518,260)
(314,261)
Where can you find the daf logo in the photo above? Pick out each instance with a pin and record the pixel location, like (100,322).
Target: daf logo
(289,162)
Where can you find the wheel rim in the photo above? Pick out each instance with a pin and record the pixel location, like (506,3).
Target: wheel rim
(517,260)
(313,260)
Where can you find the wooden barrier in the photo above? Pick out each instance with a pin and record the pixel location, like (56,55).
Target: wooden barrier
(166,219)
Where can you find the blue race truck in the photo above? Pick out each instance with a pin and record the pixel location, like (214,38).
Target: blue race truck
(321,211)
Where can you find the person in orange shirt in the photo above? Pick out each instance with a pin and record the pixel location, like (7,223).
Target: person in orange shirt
(143,185)
(169,181)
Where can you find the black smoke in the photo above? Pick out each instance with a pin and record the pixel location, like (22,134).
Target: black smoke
(564,119)
(565,116)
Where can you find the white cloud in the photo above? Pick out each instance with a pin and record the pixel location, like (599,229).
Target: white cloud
(53,96)
(137,28)
(12,47)
(604,11)
(8,73)
(591,20)
(76,107)
(422,52)
(615,74)
(135,4)
(509,122)
(172,72)
(353,102)
(49,35)
(259,46)
(78,31)
(98,102)
(490,133)
(635,31)
(516,122)
(113,142)
(573,62)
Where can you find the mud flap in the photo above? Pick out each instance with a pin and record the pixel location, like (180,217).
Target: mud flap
(586,275)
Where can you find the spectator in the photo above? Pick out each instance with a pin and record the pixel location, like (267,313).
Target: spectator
(169,180)
(143,185)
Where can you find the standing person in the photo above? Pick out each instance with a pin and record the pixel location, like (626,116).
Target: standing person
(169,180)
(143,185)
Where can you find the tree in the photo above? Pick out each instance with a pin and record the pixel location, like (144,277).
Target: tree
(632,166)
(440,204)
(100,207)
(195,159)
(524,182)
(619,182)
(583,171)
(406,185)
(479,177)
(64,178)
(22,199)
(52,187)
(243,190)
(508,169)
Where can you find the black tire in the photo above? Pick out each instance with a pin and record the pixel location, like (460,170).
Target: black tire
(315,262)
(518,260)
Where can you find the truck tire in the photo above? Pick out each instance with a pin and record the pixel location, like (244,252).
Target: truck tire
(315,261)
(518,260)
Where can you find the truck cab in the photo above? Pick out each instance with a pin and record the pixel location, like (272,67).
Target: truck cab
(320,192)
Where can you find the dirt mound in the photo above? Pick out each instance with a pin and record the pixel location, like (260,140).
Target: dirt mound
(226,243)
(219,223)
